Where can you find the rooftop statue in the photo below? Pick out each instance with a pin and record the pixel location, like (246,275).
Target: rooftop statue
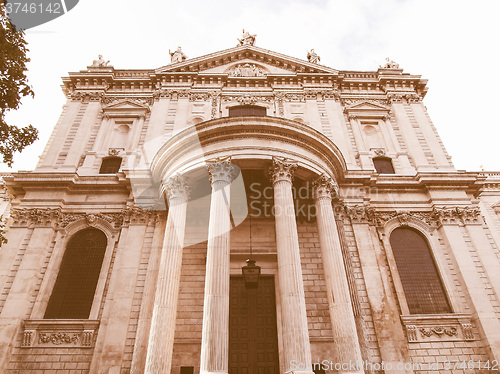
(313,57)
(390,64)
(177,55)
(246,38)
(100,62)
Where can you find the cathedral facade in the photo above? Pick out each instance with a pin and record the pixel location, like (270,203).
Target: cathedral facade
(128,244)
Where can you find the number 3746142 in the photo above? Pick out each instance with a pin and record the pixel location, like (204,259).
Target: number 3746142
(32,8)
(471,364)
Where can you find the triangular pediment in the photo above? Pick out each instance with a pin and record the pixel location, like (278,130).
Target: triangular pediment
(366,105)
(253,61)
(123,108)
(126,104)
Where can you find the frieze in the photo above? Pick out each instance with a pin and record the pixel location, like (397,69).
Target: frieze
(453,215)
(292,96)
(199,96)
(58,338)
(409,98)
(448,215)
(87,95)
(246,99)
(170,94)
(403,218)
(57,218)
(322,94)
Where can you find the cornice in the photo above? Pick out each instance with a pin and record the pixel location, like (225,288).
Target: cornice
(18,183)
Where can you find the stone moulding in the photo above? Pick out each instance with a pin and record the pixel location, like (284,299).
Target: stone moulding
(55,333)
(421,328)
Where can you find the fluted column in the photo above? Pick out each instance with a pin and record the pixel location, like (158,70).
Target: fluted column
(296,345)
(215,334)
(161,337)
(347,349)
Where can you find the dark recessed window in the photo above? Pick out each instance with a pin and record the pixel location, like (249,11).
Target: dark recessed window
(187,369)
(110,165)
(383,165)
(422,285)
(247,110)
(76,281)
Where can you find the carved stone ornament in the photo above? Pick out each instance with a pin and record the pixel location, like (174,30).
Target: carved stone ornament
(246,99)
(177,187)
(313,57)
(325,187)
(322,94)
(177,55)
(453,215)
(49,217)
(222,170)
(87,95)
(379,151)
(144,100)
(282,170)
(360,214)
(390,64)
(247,70)
(170,94)
(246,38)
(403,217)
(438,328)
(447,215)
(114,151)
(395,97)
(59,333)
(100,62)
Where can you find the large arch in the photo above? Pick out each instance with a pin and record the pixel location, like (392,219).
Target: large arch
(257,138)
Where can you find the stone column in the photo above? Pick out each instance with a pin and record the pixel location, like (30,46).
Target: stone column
(347,349)
(161,337)
(296,344)
(215,333)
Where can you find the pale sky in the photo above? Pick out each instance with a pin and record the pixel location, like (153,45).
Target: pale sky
(453,44)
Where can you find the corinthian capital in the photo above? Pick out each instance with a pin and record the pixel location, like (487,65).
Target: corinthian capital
(325,187)
(222,170)
(177,187)
(282,170)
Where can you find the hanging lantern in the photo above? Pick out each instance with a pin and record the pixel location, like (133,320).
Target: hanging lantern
(251,274)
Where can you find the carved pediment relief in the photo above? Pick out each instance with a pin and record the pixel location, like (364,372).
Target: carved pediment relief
(126,108)
(367,109)
(247,70)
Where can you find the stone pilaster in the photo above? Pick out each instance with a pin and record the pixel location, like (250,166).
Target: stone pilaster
(296,345)
(161,337)
(347,349)
(215,333)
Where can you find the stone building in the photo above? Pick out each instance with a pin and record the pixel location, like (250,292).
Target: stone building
(126,243)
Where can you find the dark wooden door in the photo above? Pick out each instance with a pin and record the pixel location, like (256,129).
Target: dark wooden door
(253,338)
